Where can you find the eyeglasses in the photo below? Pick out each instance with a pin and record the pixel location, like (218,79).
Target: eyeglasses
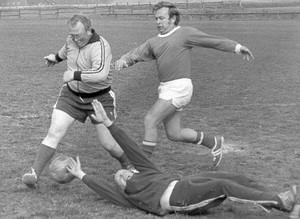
(77,36)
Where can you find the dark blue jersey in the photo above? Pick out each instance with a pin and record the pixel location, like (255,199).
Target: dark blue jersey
(191,195)
(143,189)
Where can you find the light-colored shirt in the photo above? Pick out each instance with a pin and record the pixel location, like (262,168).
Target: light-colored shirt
(93,61)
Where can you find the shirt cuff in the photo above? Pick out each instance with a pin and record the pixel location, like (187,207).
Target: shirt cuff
(81,175)
(237,49)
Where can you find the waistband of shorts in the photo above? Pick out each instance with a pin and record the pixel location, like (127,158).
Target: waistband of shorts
(176,81)
(87,95)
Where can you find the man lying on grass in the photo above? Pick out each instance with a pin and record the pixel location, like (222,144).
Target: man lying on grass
(155,192)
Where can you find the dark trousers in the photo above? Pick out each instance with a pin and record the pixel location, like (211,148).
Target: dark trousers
(195,194)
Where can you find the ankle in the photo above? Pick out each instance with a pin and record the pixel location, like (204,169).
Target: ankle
(148,147)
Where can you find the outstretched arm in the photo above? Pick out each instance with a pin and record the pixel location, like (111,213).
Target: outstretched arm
(199,38)
(139,54)
(104,189)
(132,150)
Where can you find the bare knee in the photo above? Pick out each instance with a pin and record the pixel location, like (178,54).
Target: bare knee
(52,139)
(173,136)
(173,132)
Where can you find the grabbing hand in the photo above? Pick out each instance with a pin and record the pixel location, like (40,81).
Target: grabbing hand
(50,60)
(75,167)
(100,114)
(120,64)
(246,53)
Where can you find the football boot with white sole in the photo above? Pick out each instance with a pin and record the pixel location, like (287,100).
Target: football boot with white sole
(217,151)
(30,179)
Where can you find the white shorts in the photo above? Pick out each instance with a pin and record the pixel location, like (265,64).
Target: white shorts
(180,91)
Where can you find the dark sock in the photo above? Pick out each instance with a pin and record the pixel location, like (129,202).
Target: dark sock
(207,141)
(42,157)
(148,147)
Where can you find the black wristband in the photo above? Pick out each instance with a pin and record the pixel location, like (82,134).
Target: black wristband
(58,59)
(77,75)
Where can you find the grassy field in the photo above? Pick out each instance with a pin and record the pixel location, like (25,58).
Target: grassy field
(255,105)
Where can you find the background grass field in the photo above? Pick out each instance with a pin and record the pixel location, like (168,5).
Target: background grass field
(255,105)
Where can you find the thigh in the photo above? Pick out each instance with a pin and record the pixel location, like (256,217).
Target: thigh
(179,91)
(193,189)
(237,178)
(172,122)
(160,110)
(194,194)
(60,121)
(108,102)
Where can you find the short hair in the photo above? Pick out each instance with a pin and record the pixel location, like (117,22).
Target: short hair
(80,18)
(173,10)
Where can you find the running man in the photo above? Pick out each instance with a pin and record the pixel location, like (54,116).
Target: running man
(88,77)
(171,49)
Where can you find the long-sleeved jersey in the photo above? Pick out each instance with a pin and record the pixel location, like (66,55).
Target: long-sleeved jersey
(144,189)
(191,195)
(172,51)
(92,62)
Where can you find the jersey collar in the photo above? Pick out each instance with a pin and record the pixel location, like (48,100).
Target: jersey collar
(168,34)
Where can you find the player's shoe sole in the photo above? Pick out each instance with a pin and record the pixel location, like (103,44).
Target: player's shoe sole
(217,151)
(30,179)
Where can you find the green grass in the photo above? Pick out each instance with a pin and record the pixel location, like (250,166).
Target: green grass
(255,105)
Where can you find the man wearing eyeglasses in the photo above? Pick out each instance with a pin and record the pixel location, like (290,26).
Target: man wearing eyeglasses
(88,57)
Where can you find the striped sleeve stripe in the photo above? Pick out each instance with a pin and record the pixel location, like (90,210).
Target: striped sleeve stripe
(102,61)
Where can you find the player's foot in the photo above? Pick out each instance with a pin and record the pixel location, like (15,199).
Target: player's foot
(295,213)
(217,151)
(30,179)
(290,202)
(131,168)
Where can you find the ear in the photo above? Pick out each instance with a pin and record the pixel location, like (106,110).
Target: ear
(173,19)
(89,31)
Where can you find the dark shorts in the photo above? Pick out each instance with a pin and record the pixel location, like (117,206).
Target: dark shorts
(80,107)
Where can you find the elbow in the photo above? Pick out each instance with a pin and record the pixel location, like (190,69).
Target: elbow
(101,78)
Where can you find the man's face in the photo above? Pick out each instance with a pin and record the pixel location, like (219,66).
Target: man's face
(164,23)
(79,35)
(121,178)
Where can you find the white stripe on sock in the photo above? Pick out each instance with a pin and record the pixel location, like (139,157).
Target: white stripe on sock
(149,143)
(201,138)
